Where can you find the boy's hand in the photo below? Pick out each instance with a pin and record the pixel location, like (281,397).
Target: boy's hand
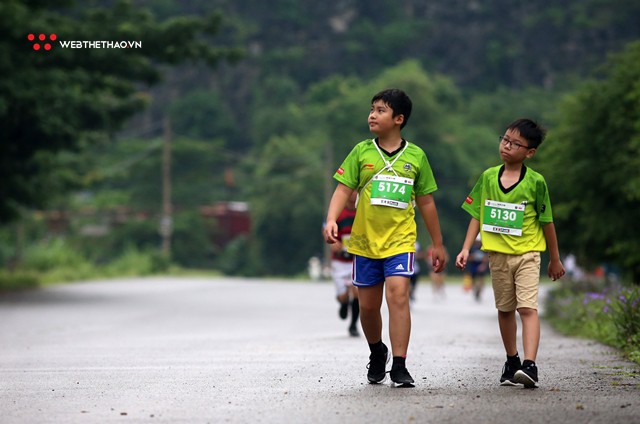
(336,247)
(438,259)
(461,259)
(331,232)
(556,269)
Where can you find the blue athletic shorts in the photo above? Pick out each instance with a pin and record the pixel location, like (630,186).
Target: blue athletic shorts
(369,272)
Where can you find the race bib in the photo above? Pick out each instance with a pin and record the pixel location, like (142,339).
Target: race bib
(392,191)
(503,218)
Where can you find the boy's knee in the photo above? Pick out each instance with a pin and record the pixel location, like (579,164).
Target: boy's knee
(526,312)
(398,300)
(366,309)
(506,314)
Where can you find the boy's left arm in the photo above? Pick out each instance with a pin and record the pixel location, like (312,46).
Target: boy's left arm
(427,206)
(556,269)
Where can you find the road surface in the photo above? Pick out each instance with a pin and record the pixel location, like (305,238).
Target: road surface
(224,350)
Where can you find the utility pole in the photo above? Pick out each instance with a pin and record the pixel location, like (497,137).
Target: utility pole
(166,222)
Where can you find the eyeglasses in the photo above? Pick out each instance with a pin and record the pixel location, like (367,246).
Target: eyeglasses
(510,143)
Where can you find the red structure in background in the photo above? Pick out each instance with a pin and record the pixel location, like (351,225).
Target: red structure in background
(229,220)
(232,219)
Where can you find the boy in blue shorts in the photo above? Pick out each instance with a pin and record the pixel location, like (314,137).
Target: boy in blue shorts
(391,177)
(510,207)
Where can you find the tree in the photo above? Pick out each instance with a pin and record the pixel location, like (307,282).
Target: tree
(57,101)
(592,161)
(286,199)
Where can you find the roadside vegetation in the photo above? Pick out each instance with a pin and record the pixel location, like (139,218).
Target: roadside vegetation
(56,261)
(600,310)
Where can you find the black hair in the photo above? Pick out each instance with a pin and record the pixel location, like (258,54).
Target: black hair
(398,101)
(530,130)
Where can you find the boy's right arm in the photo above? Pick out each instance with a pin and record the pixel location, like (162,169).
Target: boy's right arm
(427,207)
(556,269)
(472,233)
(337,204)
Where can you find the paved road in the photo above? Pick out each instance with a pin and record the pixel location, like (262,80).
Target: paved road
(168,350)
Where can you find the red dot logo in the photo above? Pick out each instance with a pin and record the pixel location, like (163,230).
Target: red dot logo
(42,37)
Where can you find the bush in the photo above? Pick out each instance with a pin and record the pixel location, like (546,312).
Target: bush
(133,262)
(51,254)
(55,261)
(191,246)
(18,280)
(608,314)
(626,318)
(233,259)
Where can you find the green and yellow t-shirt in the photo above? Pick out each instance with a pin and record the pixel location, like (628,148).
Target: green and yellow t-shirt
(511,219)
(385,222)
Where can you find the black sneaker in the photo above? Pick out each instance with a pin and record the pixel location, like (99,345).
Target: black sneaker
(527,375)
(344,310)
(508,372)
(401,377)
(377,366)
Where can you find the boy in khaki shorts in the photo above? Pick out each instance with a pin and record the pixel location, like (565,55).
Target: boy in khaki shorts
(510,207)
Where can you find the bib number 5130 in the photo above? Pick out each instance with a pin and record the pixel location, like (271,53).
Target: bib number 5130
(503,215)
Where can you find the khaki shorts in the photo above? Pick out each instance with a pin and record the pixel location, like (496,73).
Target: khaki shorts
(515,280)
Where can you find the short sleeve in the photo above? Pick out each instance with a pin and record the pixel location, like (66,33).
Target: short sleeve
(348,172)
(543,202)
(472,204)
(426,182)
